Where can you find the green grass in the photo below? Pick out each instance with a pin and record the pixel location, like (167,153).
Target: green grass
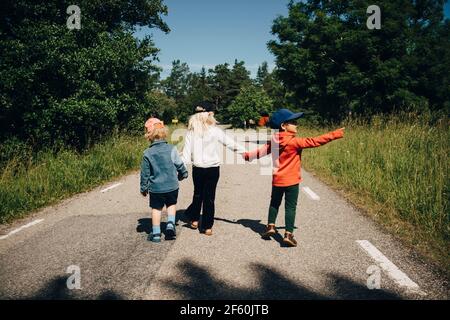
(396,168)
(48,178)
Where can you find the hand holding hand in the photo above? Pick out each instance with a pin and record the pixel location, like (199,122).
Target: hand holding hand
(182,176)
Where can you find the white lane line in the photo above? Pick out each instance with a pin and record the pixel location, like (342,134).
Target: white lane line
(311,193)
(391,269)
(21,228)
(111,187)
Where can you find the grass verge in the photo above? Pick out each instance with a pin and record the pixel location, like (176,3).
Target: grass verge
(46,178)
(395,169)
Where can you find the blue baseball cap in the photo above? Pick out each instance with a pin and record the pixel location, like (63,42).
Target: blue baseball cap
(283,115)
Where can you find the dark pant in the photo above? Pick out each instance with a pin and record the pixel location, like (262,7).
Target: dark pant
(290,202)
(205,183)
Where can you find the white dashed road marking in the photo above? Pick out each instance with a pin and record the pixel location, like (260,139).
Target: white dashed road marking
(111,187)
(310,193)
(21,228)
(391,269)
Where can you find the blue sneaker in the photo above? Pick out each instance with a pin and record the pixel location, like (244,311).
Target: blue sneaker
(154,237)
(171,231)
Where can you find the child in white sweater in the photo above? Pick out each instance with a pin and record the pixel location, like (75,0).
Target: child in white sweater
(202,148)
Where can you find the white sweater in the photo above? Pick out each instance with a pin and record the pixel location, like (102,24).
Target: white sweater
(204,151)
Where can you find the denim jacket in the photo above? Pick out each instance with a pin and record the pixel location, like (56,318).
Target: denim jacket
(161,168)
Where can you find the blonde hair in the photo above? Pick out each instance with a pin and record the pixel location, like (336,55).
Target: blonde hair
(156,133)
(200,122)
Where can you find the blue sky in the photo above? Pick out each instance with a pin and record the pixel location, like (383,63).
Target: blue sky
(210,32)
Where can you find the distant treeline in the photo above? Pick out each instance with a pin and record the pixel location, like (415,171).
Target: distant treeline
(62,87)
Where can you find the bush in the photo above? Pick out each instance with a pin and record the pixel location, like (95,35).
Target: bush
(248,105)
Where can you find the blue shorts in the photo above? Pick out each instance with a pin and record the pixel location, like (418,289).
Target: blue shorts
(158,200)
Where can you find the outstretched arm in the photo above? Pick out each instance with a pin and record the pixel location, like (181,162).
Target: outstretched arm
(258,153)
(303,143)
(228,141)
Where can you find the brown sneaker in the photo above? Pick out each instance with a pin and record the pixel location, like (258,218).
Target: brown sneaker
(289,239)
(270,231)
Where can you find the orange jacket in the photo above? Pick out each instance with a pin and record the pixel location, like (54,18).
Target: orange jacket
(263,121)
(286,151)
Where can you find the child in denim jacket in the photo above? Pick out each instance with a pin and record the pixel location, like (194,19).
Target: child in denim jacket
(161,169)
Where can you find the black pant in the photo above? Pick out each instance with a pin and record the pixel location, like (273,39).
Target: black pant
(205,183)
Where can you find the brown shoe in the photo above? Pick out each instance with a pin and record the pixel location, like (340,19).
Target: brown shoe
(193,225)
(289,239)
(208,232)
(270,231)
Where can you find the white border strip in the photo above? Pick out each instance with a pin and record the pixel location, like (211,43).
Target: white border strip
(21,228)
(111,187)
(311,193)
(391,269)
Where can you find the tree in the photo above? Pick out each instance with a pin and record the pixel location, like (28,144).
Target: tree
(176,85)
(270,82)
(161,106)
(226,85)
(220,79)
(199,90)
(248,105)
(74,86)
(240,77)
(334,64)
(262,74)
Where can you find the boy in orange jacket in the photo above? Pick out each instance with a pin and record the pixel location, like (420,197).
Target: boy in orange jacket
(286,151)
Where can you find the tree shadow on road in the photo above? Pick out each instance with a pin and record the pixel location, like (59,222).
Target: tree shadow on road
(200,284)
(257,227)
(56,289)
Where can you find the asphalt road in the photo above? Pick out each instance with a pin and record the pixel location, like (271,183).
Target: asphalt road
(104,235)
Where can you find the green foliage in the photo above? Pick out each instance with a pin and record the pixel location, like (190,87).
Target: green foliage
(334,64)
(262,74)
(220,85)
(271,83)
(226,84)
(199,90)
(29,180)
(177,83)
(71,87)
(162,106)
(248,105)
(49,177)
